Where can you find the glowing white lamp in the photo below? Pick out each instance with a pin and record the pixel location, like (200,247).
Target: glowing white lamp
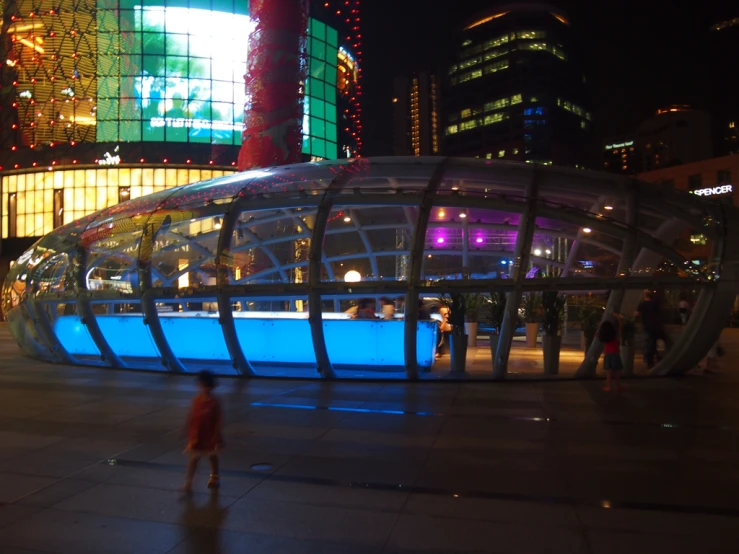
(352,276)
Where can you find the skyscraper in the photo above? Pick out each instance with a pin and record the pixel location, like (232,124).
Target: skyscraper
(416,117)
(515,90)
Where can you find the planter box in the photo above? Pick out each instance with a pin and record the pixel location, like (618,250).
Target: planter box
(532,330)
(552,346)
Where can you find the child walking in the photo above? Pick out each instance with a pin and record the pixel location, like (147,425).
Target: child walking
(609,335)
(203,430)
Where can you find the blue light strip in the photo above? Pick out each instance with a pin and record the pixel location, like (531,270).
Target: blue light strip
(366,343)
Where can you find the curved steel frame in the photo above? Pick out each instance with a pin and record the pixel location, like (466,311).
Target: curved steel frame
(527,191)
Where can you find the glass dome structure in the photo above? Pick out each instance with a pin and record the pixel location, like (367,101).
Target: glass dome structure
(281,271)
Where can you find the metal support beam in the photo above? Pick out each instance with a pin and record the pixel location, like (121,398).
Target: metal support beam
(37,310)
(148,300)
(87,315)
(628,253)
(225,313)
(524,240)
(315,261)
(418,240)
(714,305)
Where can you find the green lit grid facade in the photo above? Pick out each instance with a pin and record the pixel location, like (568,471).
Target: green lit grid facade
(319,124)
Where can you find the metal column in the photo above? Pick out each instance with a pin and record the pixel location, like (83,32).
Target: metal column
(628,254)
(148,302)
(414,277)
(315,260)
(524,240)
(87,315)
(225,313)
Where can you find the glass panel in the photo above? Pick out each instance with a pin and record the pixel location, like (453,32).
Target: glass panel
(122,325)
(264,325)
(377,325)
(185,249)
(271,246)
(373,241)
(195,317)
(444,250)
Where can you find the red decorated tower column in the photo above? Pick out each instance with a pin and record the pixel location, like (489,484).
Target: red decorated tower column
(276,72)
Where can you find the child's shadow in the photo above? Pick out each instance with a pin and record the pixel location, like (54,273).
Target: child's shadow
(202,522)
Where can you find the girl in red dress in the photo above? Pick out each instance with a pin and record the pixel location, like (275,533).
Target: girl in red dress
(204,431)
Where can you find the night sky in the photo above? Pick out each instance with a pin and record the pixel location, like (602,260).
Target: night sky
(637,55)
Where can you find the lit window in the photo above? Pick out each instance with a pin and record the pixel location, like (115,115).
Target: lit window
(536,110)
(494,118)
(501,153)
(489,156)
(516,99)
(515,151)
(529,35)
(466,113)
(732,124)
(452,129)
(497,104)
(467,125)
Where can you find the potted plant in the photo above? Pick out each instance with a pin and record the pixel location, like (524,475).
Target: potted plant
(472,303)
(494,312)
(589,316)
(458,337)
(553,306)
(530,307)
(628,339)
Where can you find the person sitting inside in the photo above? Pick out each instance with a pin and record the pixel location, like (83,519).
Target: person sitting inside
(366,309)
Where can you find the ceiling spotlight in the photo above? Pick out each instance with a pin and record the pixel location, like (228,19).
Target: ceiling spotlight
(607,207)
(440,240)
(548,251)
(463,215)
(442,213)
(478,240)
(537,252)
(587,230)
(347,219)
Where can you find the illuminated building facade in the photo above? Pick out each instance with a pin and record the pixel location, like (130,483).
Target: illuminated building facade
(416,116)
(674,135)
(120,94)
(620,155)
(259,273)
(515,90)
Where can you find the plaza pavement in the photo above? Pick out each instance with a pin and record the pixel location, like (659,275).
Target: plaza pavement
(90,462)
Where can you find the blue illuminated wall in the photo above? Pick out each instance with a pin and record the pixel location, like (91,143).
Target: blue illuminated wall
(263,340)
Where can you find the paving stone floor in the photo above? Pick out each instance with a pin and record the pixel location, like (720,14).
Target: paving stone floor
(91,462)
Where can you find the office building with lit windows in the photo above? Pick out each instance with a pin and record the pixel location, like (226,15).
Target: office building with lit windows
(416,116)
(674,135)
(620,155)
(515,90)
(109,100)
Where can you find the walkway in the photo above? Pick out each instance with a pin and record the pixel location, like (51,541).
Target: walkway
(90,462)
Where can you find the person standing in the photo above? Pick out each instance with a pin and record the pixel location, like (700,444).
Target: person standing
(683,308)
(609,333)
(204,438)
(650,312)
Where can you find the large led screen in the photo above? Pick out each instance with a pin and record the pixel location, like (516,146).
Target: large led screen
(173,71)
(179,75)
